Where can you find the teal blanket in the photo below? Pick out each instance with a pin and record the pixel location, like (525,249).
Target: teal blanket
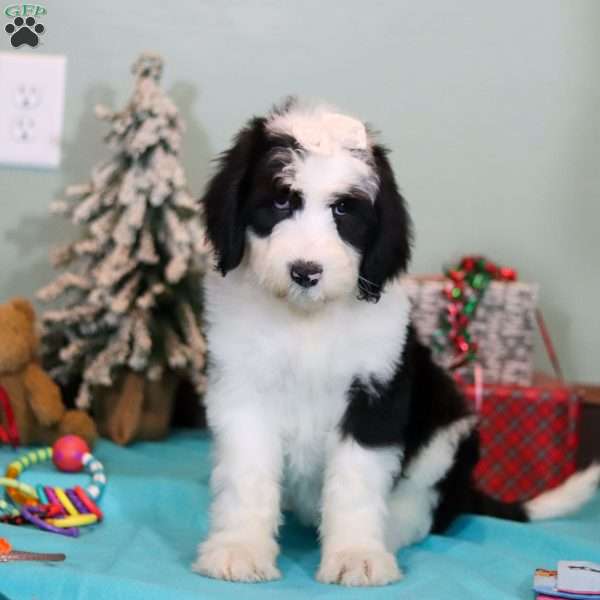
(156,504)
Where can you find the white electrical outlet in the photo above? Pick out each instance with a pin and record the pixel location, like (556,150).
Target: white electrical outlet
(32,97)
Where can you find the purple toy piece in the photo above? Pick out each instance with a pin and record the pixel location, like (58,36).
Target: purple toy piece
(29,515)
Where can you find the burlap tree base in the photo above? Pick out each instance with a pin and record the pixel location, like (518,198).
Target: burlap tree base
(135,408)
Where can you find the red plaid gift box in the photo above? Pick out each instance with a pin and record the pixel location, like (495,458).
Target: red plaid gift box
(529,437)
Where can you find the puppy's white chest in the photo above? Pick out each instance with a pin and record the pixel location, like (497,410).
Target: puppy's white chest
(305,455)
(309,413)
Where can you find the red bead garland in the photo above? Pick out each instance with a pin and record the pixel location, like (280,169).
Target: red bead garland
(467,283)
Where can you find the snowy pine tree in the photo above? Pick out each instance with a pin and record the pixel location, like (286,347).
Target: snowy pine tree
(128,297)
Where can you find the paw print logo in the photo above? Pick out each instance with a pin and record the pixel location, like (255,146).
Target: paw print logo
(24,31)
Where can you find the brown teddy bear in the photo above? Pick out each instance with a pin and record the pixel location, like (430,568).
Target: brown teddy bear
(35,399)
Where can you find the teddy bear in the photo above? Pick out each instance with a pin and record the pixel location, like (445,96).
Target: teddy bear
(36,402)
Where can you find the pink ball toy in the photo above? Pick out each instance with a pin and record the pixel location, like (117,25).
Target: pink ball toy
(67,453)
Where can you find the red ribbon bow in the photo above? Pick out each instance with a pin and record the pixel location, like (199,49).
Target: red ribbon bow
(465,286)
(10,434)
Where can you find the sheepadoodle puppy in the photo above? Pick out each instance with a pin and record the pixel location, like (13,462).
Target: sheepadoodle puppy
(321,399)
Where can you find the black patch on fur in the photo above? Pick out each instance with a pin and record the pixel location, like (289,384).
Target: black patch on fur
(459,493)
(223,198)
(261,212)
(388,251)
(482,504)
(371,418)
(357,226)
(419,400)
(244,191)
(456,488)
(435,401)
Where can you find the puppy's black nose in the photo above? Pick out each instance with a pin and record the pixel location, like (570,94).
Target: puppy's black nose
(306,274)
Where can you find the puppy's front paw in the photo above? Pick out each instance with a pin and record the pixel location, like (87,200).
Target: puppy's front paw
(359,568)
(237,560)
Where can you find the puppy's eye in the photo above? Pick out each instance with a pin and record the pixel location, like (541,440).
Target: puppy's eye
(340,208)
(282,204)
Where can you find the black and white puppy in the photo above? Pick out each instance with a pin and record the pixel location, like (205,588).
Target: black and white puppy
(320,397)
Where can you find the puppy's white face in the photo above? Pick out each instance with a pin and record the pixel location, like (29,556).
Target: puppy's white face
(305,258)
(307,205)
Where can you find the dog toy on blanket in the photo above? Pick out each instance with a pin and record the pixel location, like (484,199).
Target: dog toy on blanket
(55,509)
(7,554)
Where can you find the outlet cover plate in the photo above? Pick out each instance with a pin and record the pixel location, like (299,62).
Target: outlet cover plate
(32,95)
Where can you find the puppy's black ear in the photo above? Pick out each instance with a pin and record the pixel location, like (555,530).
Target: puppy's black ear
(388,252)
(225,193)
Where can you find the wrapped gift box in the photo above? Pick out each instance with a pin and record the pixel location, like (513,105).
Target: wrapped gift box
(503,327)
(529,437)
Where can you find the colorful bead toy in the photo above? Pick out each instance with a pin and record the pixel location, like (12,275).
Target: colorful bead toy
(55,509)
(67,453)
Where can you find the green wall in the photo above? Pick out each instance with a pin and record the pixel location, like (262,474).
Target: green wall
(492,110)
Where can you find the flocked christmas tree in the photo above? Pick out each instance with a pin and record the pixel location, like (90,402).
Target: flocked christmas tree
(128,299)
